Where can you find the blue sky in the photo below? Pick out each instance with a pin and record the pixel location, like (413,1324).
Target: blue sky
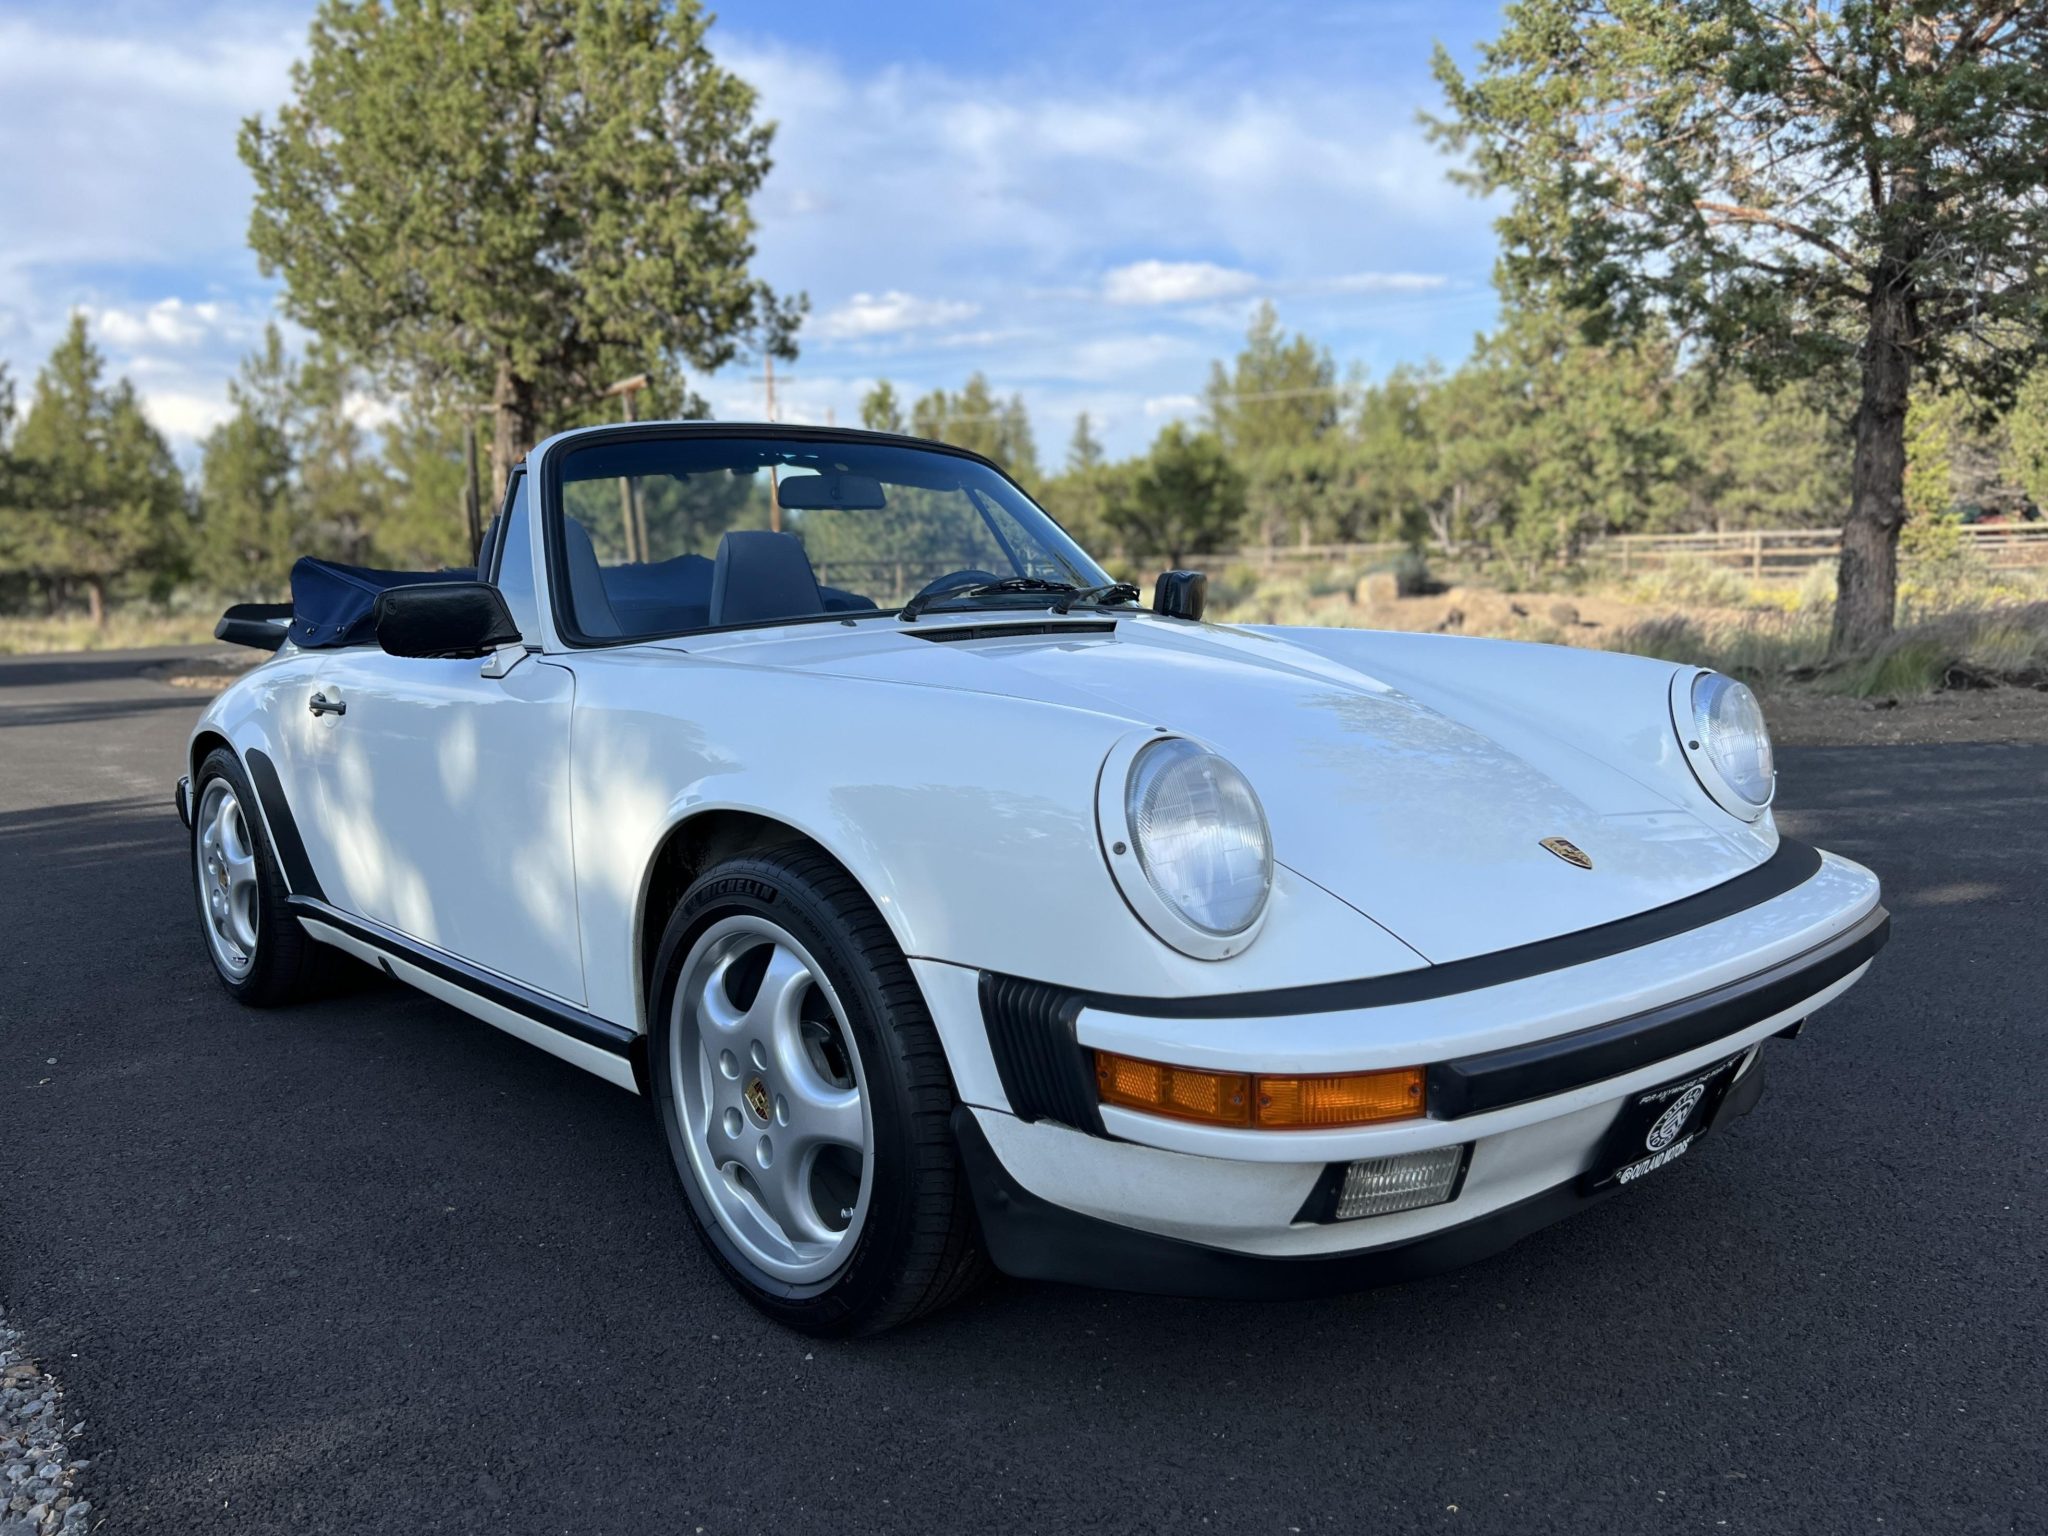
(1084,201)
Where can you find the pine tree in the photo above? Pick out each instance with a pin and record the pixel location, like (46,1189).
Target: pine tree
(880,411)
(250,529)
(1084,451)
(1819,191)
(1185,498)
(516,200)
(97,495)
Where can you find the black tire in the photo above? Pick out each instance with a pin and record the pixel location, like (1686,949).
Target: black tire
(286,966)
(918,1248)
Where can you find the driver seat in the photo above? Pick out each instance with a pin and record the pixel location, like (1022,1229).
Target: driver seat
(760,575)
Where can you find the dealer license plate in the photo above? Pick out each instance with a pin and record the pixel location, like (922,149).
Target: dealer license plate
(1659,1125)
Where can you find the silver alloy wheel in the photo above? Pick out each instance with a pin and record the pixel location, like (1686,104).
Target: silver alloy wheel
(226,865)
(772,1099)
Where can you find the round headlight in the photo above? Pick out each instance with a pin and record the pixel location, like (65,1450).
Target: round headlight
(1728,726)
(1200,836)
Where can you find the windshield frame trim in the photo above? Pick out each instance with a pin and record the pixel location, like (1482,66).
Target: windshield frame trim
(548,482)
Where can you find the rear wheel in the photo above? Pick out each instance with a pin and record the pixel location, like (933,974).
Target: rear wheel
(259,951)
(803,1096)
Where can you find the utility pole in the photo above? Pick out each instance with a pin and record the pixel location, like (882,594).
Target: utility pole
(774,480)
(631,513)
(472,490)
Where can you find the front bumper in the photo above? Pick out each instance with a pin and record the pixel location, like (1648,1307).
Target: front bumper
(1031,1238)
(1528,1074)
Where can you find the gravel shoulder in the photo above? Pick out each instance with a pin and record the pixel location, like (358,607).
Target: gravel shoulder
(39,1477)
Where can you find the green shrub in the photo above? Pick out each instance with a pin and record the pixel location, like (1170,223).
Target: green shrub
(1690,582)
(1909,663)
(1817,590)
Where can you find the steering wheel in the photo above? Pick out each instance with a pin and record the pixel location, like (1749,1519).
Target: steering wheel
(954,579)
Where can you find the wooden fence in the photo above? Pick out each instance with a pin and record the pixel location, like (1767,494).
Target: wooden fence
(1767,553)
(1763,554)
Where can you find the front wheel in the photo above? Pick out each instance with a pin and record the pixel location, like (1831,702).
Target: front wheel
(804,1100)
(258,949)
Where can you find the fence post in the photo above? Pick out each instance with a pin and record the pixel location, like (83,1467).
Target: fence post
(1756,554)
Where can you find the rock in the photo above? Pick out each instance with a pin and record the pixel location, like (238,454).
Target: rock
(1378,587)
(1564,615)
(76,1514)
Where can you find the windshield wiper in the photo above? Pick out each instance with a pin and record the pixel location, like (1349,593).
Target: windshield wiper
(918,604)
(1096,597)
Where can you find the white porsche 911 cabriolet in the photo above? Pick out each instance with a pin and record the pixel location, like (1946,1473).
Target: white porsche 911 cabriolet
(950,908)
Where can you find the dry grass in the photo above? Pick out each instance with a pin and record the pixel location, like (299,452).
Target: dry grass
(126,629)
(1958,628)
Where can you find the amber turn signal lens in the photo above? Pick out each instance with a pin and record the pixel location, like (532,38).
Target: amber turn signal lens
(1217,1098)
(1269,1103)
(1355,1098)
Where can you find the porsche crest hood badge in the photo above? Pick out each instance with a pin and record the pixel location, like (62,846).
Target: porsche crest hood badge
(1569,852)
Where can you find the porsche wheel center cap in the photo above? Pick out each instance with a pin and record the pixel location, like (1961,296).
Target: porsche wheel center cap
(756,1095)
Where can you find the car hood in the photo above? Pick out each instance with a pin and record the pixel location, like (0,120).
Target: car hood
(1432,828)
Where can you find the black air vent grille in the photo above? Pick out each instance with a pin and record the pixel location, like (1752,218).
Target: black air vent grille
(1046,1073)
(1009,631)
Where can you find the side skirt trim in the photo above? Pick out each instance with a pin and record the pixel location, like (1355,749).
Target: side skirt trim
(583,1028)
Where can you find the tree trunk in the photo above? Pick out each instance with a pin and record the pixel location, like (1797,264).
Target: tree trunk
(514,426)
(96,601)
(1868,584)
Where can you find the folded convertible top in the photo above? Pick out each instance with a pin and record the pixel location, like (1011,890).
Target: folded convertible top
(332,604)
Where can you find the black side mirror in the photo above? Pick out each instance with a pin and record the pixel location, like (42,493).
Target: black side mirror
(444,618)
(1180,594)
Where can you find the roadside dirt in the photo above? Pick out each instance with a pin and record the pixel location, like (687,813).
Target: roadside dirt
(1806,717)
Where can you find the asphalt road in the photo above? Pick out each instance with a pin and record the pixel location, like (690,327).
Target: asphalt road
(369,1265)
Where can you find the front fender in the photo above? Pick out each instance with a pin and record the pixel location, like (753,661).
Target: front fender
(968,819)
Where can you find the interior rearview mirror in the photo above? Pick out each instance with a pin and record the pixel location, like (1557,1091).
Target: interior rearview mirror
(834,490)
(444,619)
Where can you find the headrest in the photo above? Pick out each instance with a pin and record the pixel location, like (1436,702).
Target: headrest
(760,575)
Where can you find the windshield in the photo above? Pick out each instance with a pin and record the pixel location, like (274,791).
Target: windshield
(663,536)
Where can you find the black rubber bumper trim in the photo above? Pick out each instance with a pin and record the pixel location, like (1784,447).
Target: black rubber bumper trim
(1787,869)
(574,1022)
(1031,1238)
(1474,1084)
(284,832)
(1045,1073)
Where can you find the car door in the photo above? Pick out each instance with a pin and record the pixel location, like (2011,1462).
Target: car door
(439,793)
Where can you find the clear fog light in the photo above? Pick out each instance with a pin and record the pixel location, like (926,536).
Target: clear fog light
(1379,1186)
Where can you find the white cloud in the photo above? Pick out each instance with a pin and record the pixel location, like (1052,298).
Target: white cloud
(1023,194)
(1175,282)
(1054,204)
(119,148)
(1171,405)
(883,314)
(167,322)
(372,413)
(185,416)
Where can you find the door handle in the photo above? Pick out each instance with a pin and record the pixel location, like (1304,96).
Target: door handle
(320,704)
